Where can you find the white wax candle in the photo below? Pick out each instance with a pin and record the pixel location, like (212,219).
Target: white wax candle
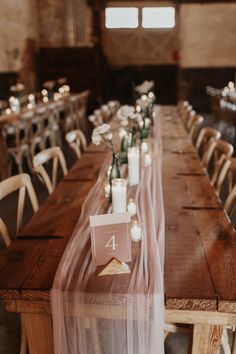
(144,147)
(133,165)
(119,195)
(136,232)
(131,207)
(147,160)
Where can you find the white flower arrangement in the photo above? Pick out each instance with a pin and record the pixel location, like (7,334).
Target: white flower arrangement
(102,133)
(126,114)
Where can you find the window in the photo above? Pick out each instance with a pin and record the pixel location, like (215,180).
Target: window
(158,17)
(121,17)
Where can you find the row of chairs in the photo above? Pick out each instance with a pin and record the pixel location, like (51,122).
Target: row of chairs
(216,155)
(22,183)
(39,128)
(104,113)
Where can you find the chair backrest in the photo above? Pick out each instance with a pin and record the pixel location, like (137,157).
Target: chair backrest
(187,114)
(230,200)
(227,173)
(182,105)
(204,137)
(55,154)
(22,183)
(17,132)
(74,140)
(42,114)
(219,150)
(195,124)
(191,116)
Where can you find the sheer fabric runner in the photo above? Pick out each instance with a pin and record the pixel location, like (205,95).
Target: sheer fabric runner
(121,314)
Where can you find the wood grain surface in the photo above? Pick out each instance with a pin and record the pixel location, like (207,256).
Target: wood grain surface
(200,259)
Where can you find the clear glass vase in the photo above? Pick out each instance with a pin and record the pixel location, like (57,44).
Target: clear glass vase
(115,172)
(125,144)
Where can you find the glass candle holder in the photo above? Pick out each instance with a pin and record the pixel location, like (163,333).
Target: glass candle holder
(119,190)
(131,207)
(144,147)
(107,189)
(133,165)
(147,160)
(136,232)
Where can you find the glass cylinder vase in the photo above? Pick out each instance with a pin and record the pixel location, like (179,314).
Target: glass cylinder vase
(114,172)
(133,165)
(119,199)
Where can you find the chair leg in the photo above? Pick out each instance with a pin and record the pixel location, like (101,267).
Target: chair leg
(18,160)
(225,341)
(29,161)
(234,343)
(23,344)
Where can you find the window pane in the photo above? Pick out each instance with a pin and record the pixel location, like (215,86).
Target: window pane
(121,17)
(158,17)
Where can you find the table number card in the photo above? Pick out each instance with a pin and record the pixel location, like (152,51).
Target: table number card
(110,237)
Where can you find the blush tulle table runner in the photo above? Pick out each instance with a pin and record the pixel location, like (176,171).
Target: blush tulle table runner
(120,314)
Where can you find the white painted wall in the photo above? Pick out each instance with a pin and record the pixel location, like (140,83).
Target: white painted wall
(207,35)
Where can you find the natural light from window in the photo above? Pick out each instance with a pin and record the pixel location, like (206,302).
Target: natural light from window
(158,17)
(121,17)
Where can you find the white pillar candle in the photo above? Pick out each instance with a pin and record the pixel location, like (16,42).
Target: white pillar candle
(131,207)
(136,232)
(119,200)
(133,165)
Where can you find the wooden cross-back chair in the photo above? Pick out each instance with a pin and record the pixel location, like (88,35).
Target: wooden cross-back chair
(76,140)
(17,140)
(21,183)
(187,115)
(182,105)
(197,120)
(190,119)
(227,174)
(219,151)
(204,137)
(55,154)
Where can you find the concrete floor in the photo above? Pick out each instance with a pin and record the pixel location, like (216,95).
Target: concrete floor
(9,322)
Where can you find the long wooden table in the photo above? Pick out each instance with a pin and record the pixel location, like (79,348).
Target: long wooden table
(200,259)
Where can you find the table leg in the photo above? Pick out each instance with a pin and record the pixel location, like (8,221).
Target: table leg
(3,158)
(206,339)
(39,333)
